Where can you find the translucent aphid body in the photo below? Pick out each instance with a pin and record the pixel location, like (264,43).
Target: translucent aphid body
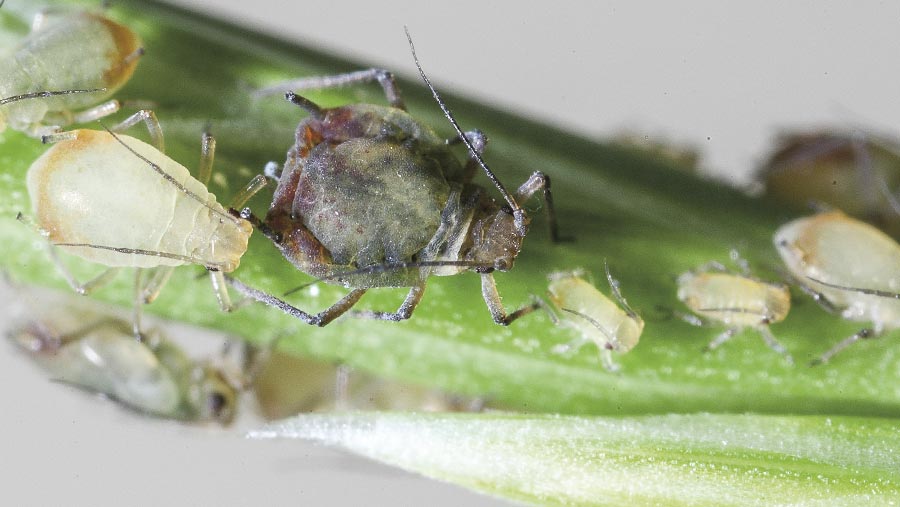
(89,192)
(849,266)
(153,376)
(119,202)
(67,64)
(612,326)
(371,197)
(736,301)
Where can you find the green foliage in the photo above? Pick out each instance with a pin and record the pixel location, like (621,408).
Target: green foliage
(648,219)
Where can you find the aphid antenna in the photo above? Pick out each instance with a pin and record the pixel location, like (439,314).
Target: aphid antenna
(168,177)
(388,267)
(610,339)
(46,93)
(151,253)
(614,285)
(517,211)
(861,290)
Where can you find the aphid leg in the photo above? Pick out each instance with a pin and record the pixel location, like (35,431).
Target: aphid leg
(320,319)
(155,282)
(739,261)
(862,334)
(58,136)
(250,189)
(384,78)
(568,349)
(479,141)
(719,340)
(207,157)
(607,361)
(137,310)
(495,305)
(817,296)
(691,319)
(149,118)
(217,279)
(540,181)
(773,343)
(100,280)
(97,112)
(404,312)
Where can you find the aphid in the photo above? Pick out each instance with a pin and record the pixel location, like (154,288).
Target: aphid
(854,172)
(62,69)
(153,376)
(117,201)
(371,197)
(612,326)
(738,301)
(288,384)
(847,265)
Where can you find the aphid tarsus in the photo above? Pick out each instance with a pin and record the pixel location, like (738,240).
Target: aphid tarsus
(371,197)
(62,69)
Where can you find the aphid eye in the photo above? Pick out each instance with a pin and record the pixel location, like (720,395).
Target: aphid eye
(216,402)
(278,237)
(506,209)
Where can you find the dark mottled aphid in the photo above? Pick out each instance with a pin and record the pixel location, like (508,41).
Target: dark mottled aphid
(371,197)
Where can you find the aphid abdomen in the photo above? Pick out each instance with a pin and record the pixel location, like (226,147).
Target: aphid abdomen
(370,201)
(107,362)
(733,299)
(81,51)
(92,192)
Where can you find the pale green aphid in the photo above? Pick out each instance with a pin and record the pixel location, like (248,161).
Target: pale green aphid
(848,266)
(612,326)
(60,72)
(117,201)
(153,376)
(737,301)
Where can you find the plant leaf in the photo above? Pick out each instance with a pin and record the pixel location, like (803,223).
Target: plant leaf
(648,219)
(703,459)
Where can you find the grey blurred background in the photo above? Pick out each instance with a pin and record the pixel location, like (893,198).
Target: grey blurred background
(723,77)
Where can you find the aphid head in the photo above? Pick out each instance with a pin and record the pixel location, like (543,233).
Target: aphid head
(212,396)
(497,240)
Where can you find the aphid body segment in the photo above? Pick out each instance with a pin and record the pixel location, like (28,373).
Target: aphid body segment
(68,63)
(97,200)
(613,327)
(849,266)
(153,376)
(371,197)
(737,301)
(119,202)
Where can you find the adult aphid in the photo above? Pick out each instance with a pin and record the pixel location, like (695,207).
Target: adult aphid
(153,376)
(612,325)
(848,266)
(117,201)
(62,69)
(371,197)
(737,301)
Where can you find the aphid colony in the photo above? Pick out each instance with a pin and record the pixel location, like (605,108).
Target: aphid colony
(368,197)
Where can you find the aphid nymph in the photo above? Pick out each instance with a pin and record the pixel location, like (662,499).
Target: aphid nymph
(612,325)
(117,201)
(153,376)
(848,266)
(737,301)
(371,197)
(62,69)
